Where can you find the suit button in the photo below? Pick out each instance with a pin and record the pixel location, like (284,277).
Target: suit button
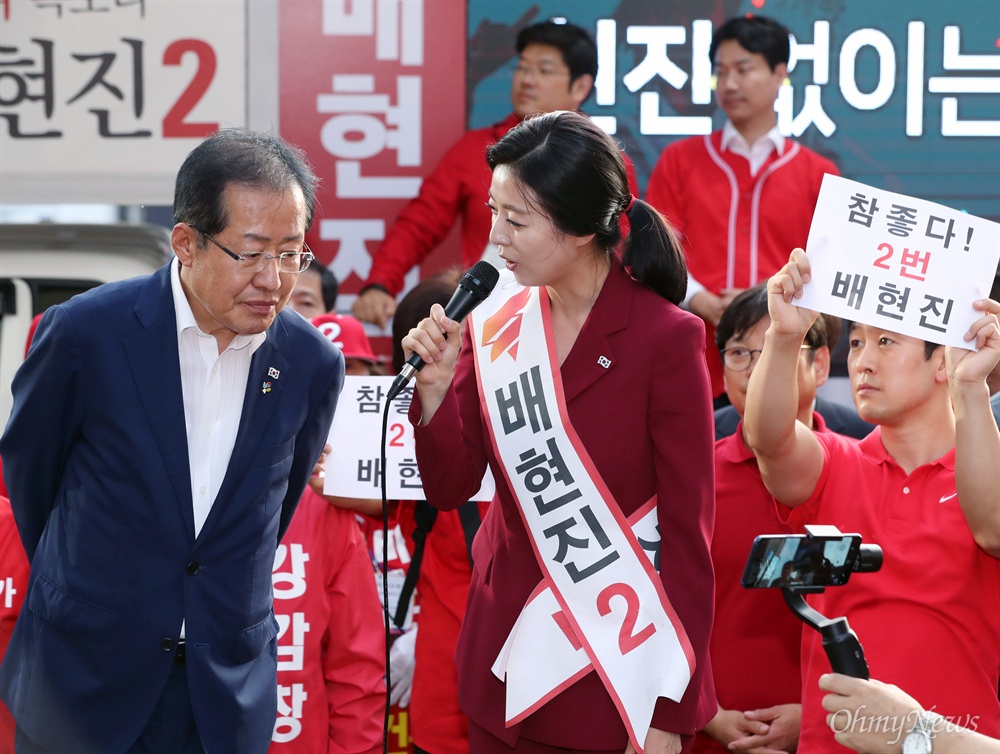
(167,645)
(193,567)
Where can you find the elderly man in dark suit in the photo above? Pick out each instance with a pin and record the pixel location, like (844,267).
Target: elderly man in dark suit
(162,433)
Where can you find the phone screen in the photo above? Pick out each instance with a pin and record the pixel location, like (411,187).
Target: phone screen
(800,560)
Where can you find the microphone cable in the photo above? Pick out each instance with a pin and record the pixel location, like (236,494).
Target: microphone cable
(474,287)
(385,576)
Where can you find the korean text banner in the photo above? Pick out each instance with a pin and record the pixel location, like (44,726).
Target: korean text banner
(871,85)
(354,468)
(101,100)
(373,92)
(896,262)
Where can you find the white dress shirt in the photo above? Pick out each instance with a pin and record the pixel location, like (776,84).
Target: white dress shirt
(756,154)
(213,386)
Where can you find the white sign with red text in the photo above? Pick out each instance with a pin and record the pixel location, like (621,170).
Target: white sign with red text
(353,468)
(893,261)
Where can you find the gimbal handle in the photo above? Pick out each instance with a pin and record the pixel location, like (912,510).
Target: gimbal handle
(841,643)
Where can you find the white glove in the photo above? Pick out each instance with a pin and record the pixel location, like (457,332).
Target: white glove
(402,660)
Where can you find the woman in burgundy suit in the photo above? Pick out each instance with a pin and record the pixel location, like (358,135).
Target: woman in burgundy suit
(579,379)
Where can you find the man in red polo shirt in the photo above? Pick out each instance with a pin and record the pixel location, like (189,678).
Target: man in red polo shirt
(923,485)
(743,196)
(556,67)
(755,636)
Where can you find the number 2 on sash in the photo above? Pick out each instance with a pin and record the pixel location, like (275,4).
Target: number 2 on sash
(627,641)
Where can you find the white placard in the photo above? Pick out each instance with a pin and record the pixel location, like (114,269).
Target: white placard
(889,260)
(101,100)
(353,468)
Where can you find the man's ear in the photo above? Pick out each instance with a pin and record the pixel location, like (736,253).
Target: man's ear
(184,242)
(580,89)
(780,73)
(940,365)
(821,363)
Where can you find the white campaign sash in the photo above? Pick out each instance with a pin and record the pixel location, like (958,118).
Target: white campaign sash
(601,605)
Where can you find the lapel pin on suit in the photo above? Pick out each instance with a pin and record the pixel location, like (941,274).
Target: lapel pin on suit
(604,361)
(273,374)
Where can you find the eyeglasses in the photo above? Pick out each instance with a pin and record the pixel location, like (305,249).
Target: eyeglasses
(739,359)
(256,261)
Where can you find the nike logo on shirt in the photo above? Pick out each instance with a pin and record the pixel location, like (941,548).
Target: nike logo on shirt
(946,498)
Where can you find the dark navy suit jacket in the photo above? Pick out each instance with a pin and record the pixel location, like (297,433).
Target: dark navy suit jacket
(96,463)
(840,419)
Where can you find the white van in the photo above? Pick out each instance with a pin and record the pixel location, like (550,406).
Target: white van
(45,264)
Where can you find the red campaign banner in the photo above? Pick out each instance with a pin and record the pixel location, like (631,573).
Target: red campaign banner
(374,92)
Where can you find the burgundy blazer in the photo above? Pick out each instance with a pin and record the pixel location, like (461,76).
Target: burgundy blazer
(646,421)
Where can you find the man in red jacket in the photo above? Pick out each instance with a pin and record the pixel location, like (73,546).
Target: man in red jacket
(556,67)
(743,196)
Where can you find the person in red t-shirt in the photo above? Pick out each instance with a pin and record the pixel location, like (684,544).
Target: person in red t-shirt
(923,486)
(743,196)
(755,636)
(557,64)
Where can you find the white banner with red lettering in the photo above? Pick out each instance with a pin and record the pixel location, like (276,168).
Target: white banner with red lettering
(101,100)
(898,262)
(354,467)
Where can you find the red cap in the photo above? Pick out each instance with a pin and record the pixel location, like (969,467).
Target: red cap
(348,334)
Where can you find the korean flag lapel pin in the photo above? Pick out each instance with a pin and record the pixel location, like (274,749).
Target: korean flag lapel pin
(273,374)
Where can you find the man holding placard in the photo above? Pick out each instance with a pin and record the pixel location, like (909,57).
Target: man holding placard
(924,485)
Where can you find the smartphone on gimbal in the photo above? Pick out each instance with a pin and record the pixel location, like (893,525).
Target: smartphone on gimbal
(800,560)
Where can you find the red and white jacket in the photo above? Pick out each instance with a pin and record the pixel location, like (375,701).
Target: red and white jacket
(737,229)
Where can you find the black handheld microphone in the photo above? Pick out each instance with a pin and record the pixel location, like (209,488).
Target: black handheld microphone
(474,287)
